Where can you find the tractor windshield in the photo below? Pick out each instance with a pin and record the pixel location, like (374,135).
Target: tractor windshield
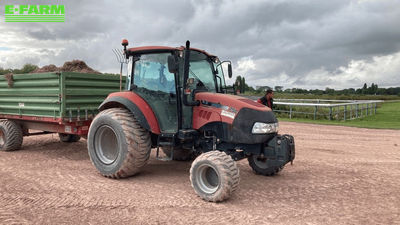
(201,69)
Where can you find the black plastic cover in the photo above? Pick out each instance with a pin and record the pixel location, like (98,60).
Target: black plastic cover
(243,124)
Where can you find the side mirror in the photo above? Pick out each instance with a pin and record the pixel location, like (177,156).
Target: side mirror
(230,70)
(172,65)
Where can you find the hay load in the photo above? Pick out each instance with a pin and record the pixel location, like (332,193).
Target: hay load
(48,68)
(78,66)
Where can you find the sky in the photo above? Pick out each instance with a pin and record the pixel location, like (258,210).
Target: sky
(304,44)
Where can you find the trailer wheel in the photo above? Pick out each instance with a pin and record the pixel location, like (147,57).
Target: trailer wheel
(214,176)
(11,136)
(69,137)
(180,154)
(118,146)
(261,167)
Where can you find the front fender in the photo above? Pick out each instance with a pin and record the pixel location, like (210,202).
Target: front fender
(137,105)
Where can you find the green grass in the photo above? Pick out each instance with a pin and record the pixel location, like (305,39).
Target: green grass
(386,117)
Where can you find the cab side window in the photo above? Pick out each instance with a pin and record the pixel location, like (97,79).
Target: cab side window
(151,72)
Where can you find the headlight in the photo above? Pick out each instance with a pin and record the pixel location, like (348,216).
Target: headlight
(264,128)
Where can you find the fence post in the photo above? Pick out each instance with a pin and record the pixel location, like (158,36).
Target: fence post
(351,111)
(367,109)
(330,112)
(315,113)
(290,112)
(344,112)
(370,110)
(337,113)
(375,108)
(357,111)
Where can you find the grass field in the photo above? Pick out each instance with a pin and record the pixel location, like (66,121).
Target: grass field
(387,117)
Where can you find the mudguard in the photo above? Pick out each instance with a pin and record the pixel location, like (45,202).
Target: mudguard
(137,105)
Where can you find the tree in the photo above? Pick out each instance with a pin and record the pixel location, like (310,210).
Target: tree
(238,82)
(28,68)
(364,89)
(278,88)
(329,91)
(243,85)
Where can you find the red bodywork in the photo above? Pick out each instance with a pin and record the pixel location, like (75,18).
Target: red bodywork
(227,108)
(51,124)
(143,106)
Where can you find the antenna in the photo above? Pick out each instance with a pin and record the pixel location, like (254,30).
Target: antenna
(122,59)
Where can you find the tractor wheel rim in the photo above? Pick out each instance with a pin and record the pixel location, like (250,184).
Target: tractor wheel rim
(106,144)
(2,138)
(261,163)
(207,179)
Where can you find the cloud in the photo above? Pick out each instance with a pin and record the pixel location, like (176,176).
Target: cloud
(356,73)
(306,44)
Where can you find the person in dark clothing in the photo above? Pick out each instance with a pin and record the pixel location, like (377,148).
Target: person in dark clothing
(267,99)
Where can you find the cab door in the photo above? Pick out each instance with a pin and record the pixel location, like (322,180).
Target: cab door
(156,85)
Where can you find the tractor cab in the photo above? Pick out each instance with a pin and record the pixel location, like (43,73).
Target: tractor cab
(157,74)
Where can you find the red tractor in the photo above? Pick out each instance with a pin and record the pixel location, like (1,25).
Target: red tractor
(176,100)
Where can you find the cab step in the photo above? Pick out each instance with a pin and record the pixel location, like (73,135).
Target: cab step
(165,139)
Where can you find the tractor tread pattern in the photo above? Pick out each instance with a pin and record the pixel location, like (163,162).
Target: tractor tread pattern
(138,140)
(229,173)
(13,136)
(271,171)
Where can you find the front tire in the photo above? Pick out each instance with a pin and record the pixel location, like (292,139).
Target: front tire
(118,146)
(260,166)
(214,176)
(11,136)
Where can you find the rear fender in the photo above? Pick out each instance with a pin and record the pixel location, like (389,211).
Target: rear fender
(137,105)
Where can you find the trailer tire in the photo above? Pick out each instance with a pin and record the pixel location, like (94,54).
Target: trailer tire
(261,167)
(118,146)
(69,137)
(214,176)
(11,136)
(180,154)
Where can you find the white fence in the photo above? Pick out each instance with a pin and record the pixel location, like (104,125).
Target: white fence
(330,109)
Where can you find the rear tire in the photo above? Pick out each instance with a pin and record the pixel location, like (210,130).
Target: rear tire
(118,146)
(214,176)
(180,154)
(261,167)
(69,137)
(11,136)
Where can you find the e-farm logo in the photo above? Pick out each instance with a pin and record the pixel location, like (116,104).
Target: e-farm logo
(34,13)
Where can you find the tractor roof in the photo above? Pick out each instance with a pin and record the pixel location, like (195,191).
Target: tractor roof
(153,49)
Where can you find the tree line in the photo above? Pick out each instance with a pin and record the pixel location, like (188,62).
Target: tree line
(373,89)
(27,68)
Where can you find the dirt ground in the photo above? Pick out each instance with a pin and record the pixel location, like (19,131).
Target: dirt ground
(341,175)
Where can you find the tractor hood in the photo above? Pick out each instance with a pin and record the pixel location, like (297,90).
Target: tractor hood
(236,114)
(233,101)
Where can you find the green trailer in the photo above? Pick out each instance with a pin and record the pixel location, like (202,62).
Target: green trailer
(60,102)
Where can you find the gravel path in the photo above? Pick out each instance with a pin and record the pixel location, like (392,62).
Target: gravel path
(341,175)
